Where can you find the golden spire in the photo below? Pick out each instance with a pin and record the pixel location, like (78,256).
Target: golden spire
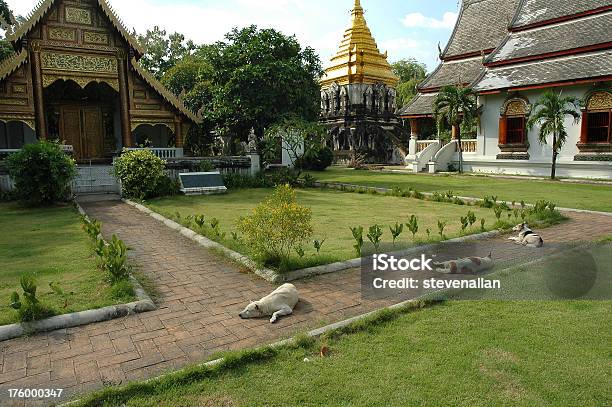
(358,59)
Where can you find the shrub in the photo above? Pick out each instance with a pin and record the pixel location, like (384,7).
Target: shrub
(206,166)
(115,260)
(316,159)
(396,231)
(282,176)
(441,227)
(374,235)
(318,245)
(413,226)
(29,307)
(277,227)
(42,173)
(167,186)
(140,173)
(358,236)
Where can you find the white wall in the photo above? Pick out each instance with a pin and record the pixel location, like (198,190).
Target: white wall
(540,155)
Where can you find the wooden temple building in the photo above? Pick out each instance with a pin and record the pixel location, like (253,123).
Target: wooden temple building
(75,77)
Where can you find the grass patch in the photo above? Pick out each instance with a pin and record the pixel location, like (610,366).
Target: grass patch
(49,244)
(333,214)
(580,196)
(485,353)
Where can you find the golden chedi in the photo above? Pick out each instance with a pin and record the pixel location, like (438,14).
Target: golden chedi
(358,94)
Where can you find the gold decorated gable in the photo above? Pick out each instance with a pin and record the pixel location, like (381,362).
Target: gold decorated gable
(78,63)
(600,101)
(62,34)
(76,15)
(358,59)
(516,108)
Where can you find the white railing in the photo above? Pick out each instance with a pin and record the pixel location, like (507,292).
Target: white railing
(469,146)
(6,151)
(163,153)
(423,144)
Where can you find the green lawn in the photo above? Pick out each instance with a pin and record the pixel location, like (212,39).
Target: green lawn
(580,196)
(476,353)
(50,244)
(333,214)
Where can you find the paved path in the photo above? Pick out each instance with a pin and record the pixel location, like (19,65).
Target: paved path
(199,297)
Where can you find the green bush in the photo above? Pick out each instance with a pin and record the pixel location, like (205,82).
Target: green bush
(28,306)
(316,159)
(42,173)
(268,179)
(140,173)
(168,186)
(115,260)
(277,227)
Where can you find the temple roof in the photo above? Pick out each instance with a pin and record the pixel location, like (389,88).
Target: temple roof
(535,12)
(45,5)
(163,91)
(482,24)
(421,105)
(12,63)
(463,71)
(593,65)
(358,59)
(584,32)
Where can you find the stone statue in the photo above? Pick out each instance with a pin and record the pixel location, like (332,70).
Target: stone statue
(252,146)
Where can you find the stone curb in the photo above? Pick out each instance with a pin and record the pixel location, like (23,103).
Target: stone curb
(266,274)
(144,304)
(276,278)
(340,185)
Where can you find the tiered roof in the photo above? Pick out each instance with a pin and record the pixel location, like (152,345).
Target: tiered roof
(358,59)
(481,26)
(552,48)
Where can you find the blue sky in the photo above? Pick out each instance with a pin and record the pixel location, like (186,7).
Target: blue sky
(404,28)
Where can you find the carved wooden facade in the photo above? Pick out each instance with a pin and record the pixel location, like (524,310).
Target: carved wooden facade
(84,42)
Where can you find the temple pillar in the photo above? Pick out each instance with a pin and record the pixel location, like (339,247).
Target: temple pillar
(414,136)
(178,131)
(124,95)
(39,104)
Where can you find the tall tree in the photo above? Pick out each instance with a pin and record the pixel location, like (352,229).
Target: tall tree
(261,77)
(455,104)
(410,73)
(550,112)
(163,50)
(7,23)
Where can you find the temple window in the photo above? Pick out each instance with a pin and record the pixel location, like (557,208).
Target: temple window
(597,119)
(513,123)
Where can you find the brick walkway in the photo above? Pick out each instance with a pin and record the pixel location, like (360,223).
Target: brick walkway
(199,297)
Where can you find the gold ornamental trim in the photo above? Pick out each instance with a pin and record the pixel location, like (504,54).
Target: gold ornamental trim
(515,108)
(62,34)
(82,81)
(95,37)
(135,123)
(78,63)
(76,15)
(27,120)
(13,102)
(600,101)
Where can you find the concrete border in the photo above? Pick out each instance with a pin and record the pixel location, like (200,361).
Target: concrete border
(144,304)
(275,277)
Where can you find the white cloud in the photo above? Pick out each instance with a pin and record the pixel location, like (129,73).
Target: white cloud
(418,20)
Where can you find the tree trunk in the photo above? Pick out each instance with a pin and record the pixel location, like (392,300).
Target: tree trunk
(457,131)
(554,162)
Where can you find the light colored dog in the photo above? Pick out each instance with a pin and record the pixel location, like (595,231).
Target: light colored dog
(468,265)
(281,302)
(526,236)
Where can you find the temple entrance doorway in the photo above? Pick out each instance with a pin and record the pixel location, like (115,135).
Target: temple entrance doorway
(86,119)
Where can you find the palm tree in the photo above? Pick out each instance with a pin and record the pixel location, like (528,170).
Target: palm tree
(549,114)
(456,104)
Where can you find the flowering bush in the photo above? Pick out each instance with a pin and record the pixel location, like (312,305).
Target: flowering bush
(277,227)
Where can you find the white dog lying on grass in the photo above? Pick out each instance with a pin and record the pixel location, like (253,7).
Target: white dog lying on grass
(281,302)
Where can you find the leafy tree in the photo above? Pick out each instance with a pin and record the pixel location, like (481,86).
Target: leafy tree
(410,73)
(456,105)
(260,77)
(163,50)
(296,137)
(7,21)
(550,112)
